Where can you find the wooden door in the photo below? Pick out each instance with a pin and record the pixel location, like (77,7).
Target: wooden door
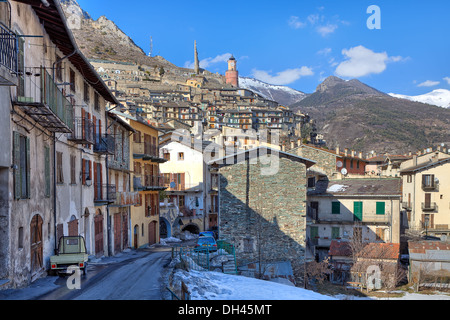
(152,233)
(73,228)
(98,226)
(124,230)
(117,232)
(36,244)
(427,200)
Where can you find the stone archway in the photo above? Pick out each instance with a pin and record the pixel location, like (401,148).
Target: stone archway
(192,228)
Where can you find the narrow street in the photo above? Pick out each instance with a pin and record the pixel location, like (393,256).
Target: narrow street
(135,275)
(133,279)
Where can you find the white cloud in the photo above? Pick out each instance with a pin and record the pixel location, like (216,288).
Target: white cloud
(447,79)
(284,77)
(428,83)
(295,22)
(361,62)
(327,29)
(324,51)
(208,62)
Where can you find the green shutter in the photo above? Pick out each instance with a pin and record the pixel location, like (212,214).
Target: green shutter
(16,162)
(381,207)
(357,211)
(47,171)
(335,207)
(28,177)
(335,232)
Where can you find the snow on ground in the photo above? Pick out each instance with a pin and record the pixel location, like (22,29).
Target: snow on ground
(219,286)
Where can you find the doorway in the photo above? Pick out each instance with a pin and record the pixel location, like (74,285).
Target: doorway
(36,244)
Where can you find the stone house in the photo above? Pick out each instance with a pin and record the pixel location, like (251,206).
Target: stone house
(262,205)
(426,190)
(55,146)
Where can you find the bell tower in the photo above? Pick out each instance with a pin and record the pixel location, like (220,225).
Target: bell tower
(232,75)
(197,64)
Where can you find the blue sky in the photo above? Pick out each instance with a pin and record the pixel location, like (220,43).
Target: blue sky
(297,43)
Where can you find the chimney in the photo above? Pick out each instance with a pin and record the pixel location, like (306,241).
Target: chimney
(439,148)
(299,142)
(415,160)
(338,150)
(410,153)
(292,144)
(360,155)
(353,153)
(346,152)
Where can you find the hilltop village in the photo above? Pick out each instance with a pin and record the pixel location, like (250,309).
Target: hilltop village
(127,155)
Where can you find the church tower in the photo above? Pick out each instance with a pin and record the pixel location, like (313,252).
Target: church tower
(197,64)
(232,75)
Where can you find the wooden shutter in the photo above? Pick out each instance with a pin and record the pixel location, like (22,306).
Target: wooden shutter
(83,171)
(28,171)
(381,207)
(47,171)
(83,124)
(16,162)
(182,177)
(96,193)
(357,210)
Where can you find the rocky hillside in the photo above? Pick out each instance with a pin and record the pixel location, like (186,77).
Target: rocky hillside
(103,39)
(353,115)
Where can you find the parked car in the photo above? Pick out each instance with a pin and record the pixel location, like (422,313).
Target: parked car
(206,243)
(206,234)
(71,252)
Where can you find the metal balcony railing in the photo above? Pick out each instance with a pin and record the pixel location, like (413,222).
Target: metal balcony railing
(429,206)
(105,193)
(9,50)
(148,182)
(40,98)
(105,144)
(83,132)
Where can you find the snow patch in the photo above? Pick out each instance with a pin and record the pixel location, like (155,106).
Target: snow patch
(337,188)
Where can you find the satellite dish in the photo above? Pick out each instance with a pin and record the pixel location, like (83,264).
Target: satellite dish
(344,171)
(339,164)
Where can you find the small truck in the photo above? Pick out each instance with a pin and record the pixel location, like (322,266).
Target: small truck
(71,252)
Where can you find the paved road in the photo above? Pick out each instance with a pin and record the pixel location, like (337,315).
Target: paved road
(138,278)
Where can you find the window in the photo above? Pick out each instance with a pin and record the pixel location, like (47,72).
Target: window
(72,169)
(21,160)
(335,232)
(381,207)
(58,69)
(86,171)
(59,168)
(335,207)
(428,180)
(86,92)
(72,80)
(167,156)
(311,182)
(20,240)
(409,178)
(96,101)
(180,156)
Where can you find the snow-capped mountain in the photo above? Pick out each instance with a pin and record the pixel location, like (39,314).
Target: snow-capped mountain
(439,97)
(281,94)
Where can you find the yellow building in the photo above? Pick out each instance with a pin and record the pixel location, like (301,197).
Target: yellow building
(148,181)
(426,193)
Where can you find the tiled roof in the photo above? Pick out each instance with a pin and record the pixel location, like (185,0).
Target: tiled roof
(422,246)
(425,165)
(340,248)
(357,187)
(380,251)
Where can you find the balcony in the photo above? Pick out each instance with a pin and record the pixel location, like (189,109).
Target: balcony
(104,193)
(41,99)
(8,57)
(105,144)
(83,132)
(126,199)
(148,183)
(430,186)
(367,218)
(406,205)
(429,206)
(147,152)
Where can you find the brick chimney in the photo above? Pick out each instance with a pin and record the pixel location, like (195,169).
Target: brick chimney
(346,152)
(338,150)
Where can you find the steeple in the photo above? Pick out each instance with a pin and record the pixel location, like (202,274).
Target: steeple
(197,64)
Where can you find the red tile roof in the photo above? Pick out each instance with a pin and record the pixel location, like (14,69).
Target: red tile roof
(380,251)
(340,248)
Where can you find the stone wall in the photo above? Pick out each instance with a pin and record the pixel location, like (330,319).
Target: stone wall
(264,216)
(326,161)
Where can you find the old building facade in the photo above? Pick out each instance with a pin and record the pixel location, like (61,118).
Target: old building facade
(263,212)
